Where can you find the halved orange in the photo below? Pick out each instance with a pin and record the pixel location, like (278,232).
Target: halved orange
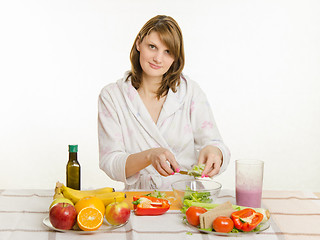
(90,201)
(89,219)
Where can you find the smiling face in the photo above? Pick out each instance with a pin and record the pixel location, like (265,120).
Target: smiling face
(155,57)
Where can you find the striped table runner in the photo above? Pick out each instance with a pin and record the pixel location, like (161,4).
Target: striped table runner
(295,215)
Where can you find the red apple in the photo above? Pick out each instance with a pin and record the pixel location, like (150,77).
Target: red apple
(117,213)
(63,216)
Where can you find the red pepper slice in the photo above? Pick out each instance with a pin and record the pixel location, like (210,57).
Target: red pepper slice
(246,219)
(149,206)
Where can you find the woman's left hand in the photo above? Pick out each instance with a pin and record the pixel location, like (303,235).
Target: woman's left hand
(211,156)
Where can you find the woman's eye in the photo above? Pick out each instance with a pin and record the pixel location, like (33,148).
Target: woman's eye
(168,52)
(152,46)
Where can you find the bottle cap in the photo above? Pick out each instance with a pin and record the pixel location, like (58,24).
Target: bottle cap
(73,148)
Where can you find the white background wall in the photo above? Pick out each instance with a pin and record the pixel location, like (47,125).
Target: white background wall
(257,61)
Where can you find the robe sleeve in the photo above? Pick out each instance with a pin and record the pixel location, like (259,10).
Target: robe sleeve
(204,126)
(112,152)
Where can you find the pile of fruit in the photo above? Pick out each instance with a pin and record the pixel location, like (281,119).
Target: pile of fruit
(72,209)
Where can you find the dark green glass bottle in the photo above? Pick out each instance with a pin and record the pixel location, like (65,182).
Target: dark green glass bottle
(73,168)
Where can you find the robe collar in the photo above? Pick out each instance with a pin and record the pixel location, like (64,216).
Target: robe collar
(172,104)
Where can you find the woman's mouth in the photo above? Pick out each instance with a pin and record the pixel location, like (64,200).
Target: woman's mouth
(153,66)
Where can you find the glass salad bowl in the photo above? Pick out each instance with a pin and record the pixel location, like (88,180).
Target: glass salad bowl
(199,190)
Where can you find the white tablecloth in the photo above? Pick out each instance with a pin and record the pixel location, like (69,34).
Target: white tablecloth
(295,215)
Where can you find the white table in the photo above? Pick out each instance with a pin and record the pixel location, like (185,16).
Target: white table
(295,215)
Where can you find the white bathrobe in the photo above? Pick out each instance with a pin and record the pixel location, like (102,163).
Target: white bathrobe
(125,127)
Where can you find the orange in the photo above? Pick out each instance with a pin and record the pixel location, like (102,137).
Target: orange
(89,219)
(90,201)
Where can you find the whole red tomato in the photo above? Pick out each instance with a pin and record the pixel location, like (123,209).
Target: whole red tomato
(223,224)
(193,213)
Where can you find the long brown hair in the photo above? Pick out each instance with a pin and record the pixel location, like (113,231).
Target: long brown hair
(170,34)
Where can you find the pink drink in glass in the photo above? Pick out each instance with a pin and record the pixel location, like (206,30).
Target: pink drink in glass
(248,198)
(249,178)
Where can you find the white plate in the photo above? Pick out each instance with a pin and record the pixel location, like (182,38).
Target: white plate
(105,227)
(263,227)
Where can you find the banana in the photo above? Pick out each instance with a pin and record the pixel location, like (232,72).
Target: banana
(107,194)
(83,193)
(57,192)
(58,195)
(108,198)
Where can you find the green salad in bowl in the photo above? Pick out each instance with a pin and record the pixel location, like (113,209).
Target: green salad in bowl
(196,190)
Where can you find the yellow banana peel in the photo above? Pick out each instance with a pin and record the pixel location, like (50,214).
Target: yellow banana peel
(106,194)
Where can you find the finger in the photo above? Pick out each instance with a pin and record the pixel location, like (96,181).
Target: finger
(212,162)
(216,166)
(208,161)
(202,160)
(207,168)
(160,169)
(173,162)
(165,165)
(214,171)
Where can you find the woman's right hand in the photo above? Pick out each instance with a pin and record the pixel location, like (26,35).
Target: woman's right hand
(163,161)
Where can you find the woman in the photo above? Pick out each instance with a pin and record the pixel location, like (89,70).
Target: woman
(155,121)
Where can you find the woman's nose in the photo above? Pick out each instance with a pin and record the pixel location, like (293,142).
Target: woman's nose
(157,57)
